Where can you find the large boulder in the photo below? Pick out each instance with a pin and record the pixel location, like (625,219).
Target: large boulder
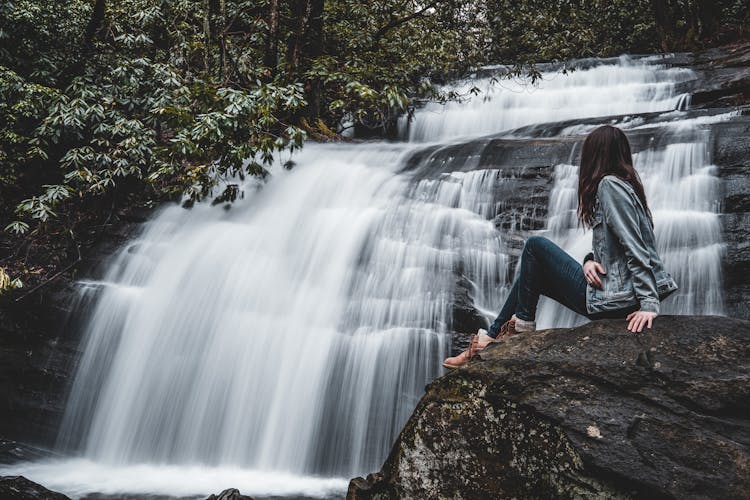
(593,411)
(20,488)
(229,494)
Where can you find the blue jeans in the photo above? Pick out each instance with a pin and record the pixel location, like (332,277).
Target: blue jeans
(547,270)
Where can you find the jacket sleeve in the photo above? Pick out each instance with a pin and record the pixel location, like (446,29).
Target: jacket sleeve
(622,217)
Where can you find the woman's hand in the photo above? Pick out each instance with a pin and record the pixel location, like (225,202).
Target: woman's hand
(591,271)
(638,319)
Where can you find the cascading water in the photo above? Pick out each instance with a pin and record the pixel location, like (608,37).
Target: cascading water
(505,104)
(286,340)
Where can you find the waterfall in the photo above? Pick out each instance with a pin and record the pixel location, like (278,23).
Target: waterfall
(504,104)
(280,344)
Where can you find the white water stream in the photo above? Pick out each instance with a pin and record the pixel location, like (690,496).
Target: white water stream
(280,346)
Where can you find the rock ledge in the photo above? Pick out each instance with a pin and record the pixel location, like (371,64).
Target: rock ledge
(588,412)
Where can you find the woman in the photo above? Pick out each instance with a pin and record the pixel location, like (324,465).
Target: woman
(622,278)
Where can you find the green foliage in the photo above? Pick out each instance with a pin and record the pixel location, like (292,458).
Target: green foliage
(37,38)
(168,98)
(558,30)
(388,52)
(7,283)
(136,112)
(22,107)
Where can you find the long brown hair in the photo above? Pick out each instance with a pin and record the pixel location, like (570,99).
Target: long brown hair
(606,151)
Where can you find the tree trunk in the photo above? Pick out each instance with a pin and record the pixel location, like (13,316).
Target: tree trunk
(300,13)
(664,23)
(271,57)
(708,17)
(94,25)
(222,30)
(305,44)
(78,61)
(206,35)
(314,49)
(315,29)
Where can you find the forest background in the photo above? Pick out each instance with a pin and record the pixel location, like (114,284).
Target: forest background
(109,107)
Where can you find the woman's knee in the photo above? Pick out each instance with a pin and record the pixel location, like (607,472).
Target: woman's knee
(534,243)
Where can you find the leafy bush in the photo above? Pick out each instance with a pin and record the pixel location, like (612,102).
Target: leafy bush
(167,98)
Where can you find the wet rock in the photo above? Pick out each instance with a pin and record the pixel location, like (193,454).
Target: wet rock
(731,146)
(129,496)
(736,264)
(522,196)
(525,156)
(229,494)
(723,75)
(588,412)
(35,362)
(517,158)
(20,488)
(729,87)
(731,153)
(39,341)
(523,181)
(464,318)
(13,452)
(375,486)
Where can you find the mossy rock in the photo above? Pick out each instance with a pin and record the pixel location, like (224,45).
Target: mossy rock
(588,412)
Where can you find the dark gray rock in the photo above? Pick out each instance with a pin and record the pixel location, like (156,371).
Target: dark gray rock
(36,359)
(731,145)
(517,158)
(731,153)
(229,494)
(526,156)
(524,176)
(139,496)
(522,196)
(588,412)
(736,264)
(20,488)
(12,452)
(729,87)
(464,317)
(724,77)
(39,341)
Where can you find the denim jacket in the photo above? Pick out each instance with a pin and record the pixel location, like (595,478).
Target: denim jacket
(624,245)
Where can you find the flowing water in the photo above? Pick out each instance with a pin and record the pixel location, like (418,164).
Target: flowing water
(280,345)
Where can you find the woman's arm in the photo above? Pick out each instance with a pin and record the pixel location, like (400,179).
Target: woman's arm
(622,217)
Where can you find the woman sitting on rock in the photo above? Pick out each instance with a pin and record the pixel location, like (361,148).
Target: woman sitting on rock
(622,278)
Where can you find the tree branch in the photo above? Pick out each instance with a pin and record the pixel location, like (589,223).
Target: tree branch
(398,22)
